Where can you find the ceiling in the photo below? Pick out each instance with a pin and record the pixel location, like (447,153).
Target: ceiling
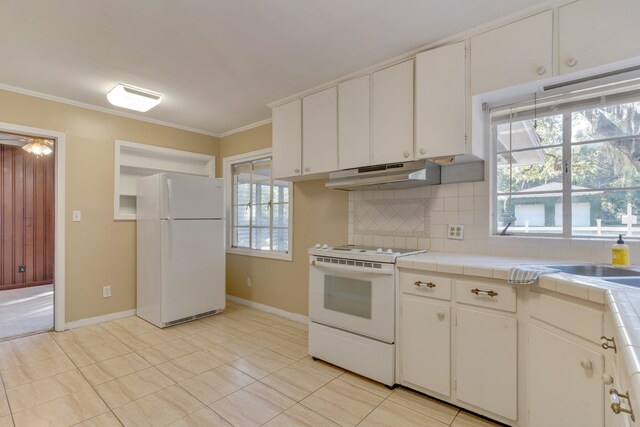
(217,62)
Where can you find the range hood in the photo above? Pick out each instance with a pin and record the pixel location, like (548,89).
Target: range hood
(386,177)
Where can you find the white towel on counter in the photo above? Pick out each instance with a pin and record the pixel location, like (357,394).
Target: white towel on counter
(528,274)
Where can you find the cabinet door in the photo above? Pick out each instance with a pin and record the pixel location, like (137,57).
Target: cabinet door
(597,32)
(487,360)
(393,114)
(353,123)
(514,54)
(441,81)
(425,349)
(564,382)
(320,132)
(287,140)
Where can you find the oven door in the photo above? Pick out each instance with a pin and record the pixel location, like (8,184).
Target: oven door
(353,298)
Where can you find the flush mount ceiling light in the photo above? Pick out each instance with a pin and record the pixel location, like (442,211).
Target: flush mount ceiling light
(133,98)
(39,146)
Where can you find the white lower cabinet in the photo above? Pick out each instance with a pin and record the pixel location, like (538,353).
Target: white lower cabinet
(523,356)
(426,351)
(564,381)
(487,355)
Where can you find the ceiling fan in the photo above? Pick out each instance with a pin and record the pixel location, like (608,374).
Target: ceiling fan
(33,145)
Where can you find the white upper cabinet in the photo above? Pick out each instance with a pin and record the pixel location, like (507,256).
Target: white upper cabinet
(392,104)
(441,83)
(287,140)
(597,32)
(353,120)
(320,132)
(517,53)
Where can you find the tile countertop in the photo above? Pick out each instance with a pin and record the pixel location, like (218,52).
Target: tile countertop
(622,301)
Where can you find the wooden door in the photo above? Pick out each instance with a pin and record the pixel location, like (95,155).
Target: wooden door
(26,218)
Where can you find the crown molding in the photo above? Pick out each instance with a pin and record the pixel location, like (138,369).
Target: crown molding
(61,100)
(246,127)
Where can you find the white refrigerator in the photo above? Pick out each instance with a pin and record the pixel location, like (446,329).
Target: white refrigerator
(180,248)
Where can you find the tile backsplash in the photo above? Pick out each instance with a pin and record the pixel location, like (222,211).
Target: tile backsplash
(417,218)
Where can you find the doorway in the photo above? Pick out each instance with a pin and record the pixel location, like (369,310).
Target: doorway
(27,230)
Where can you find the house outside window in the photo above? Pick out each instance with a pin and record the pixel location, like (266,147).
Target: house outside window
(258,207)
(568,167)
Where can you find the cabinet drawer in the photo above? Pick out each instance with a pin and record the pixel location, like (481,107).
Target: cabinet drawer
(426,285)
(586,322)
(486,295)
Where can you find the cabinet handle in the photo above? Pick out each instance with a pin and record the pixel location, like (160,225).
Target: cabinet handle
(609,343)
(307,169)
(423,151)
(296,170)
(586,364)
(420,284)
(616,402)
(441,315)
(481,292)
(541,70)
(571,62)
(406,154)
(607,379)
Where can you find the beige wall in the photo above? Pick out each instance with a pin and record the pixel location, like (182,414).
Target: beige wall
(319,215)
(99,250)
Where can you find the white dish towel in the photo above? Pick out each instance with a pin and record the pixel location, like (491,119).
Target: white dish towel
(528,274)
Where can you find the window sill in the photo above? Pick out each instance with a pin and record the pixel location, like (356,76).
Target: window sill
(261,254)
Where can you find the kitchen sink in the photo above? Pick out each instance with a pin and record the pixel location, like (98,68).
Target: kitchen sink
(597,271)
(629,281)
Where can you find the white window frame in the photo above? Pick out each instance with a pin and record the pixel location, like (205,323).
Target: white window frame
(567,226)
(227,166)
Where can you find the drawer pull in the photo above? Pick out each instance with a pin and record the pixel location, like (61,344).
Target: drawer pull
(616,403)
(609,343)
(481,292)
(420,284)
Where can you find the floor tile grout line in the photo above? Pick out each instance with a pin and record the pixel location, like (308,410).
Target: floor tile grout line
(6,396)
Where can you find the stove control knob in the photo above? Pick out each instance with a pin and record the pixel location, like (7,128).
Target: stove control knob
(318,246)
(389,251)
(325,246)
(379,250)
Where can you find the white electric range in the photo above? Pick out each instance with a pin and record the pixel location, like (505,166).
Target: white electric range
(352,303)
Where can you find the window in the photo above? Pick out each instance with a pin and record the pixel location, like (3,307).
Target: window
(567,166)
(259,207)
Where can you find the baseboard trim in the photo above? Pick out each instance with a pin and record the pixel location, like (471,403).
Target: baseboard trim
(99,319)
(289,315)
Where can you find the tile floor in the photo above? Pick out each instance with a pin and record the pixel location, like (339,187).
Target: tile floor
(26,310)
(244,367)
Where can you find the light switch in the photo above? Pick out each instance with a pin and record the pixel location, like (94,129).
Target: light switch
(77,216)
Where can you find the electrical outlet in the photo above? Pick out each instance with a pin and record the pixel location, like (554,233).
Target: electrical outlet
(77,216)
(455,231)
(249,281)
(106,292)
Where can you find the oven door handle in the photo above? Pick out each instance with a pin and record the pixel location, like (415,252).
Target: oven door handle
(352,269)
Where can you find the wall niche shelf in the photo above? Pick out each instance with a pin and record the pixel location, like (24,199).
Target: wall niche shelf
(133,161)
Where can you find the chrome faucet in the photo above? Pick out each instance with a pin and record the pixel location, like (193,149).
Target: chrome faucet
(504,230)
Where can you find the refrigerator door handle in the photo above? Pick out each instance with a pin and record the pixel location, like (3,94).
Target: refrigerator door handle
(170,194)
